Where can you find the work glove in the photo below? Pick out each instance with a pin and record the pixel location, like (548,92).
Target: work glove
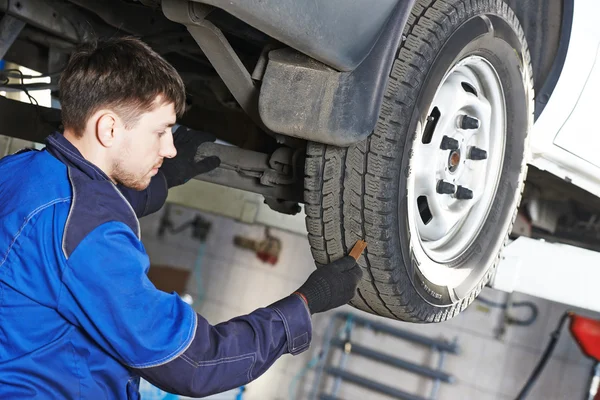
(331,285)
(184,166)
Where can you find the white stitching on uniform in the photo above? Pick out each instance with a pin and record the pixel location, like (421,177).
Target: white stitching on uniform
(287,330)
(187,360)
(217,361)
(31,215)
(304,336)
(251,367)
(186,344)
(58,144)
(220,361)
(138,233)
(64,241)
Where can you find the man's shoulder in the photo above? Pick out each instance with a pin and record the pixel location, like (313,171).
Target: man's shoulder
(32,165)
(34,190)
(32,180)
(95,202)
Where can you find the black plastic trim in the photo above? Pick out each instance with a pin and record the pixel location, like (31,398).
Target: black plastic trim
(303,98)
(541,98)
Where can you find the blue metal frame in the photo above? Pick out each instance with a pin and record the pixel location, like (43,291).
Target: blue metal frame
(342,340)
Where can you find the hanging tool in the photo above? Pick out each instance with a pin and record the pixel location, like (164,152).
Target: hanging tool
(267,250)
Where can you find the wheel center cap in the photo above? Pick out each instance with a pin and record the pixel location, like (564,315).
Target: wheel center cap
(454,160)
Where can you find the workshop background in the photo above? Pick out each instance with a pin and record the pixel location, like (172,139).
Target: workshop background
(225,281)
(194,253)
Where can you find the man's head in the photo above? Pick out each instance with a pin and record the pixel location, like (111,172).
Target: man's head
(119,100)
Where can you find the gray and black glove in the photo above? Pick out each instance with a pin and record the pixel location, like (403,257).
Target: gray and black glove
(184,166)
(331,285)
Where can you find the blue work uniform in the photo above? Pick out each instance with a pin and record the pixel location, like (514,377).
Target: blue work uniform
(79,318)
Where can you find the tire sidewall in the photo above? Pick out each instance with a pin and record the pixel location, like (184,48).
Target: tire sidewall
(503,50)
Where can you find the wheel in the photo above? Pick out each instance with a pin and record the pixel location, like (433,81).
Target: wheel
(435,189)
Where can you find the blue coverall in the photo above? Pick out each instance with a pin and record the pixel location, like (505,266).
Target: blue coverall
(79,318)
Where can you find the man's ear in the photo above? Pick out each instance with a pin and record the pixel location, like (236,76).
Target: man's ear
(106,126)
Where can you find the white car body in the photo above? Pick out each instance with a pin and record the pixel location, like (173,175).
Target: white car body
(565,140)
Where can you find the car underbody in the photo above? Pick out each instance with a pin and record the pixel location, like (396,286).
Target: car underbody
(278,98)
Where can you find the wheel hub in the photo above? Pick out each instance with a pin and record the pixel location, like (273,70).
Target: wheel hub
(456,163)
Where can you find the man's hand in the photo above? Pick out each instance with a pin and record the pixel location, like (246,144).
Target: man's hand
(331,286)
(184,166)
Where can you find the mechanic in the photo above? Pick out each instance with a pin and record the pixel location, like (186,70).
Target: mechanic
(78,316)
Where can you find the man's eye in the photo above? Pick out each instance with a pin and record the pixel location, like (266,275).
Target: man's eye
(161,133)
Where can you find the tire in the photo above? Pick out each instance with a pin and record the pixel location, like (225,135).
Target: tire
(368,191)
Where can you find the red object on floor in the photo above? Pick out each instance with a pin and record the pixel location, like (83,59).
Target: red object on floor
(586,332)
(267,257)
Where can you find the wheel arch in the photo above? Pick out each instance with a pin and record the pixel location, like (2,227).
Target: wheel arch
(548,41)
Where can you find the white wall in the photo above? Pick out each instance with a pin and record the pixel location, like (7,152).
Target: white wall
(236,282)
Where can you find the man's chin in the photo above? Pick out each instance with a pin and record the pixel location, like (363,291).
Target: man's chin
(139,185)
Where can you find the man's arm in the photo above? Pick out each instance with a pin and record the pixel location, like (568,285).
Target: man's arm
(198,370)
(150,200)
(106,292)
(233,353)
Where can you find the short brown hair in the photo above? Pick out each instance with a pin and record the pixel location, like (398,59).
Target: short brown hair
(123,74)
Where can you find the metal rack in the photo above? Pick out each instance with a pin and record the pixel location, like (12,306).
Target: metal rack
(333,341)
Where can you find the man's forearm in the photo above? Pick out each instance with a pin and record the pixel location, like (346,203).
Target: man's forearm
(233,353)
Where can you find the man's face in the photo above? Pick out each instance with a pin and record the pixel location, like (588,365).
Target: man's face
(143,148)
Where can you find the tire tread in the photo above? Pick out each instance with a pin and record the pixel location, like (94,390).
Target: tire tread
(349,193)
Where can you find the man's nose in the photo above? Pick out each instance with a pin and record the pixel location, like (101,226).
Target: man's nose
(167,149)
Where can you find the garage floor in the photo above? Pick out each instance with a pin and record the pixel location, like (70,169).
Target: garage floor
(235,282)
